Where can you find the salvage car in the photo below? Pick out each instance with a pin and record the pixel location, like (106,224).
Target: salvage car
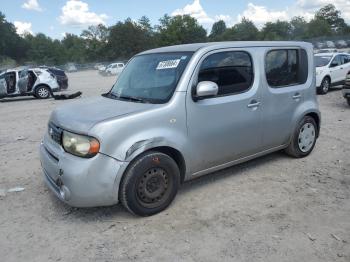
(39,82)
(113,69)
(331,70)
(179,112)
(346,89)
(60,75)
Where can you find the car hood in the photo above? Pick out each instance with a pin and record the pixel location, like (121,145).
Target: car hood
(320,68)
(80,116)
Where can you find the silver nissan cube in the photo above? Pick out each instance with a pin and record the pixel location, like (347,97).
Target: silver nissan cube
(177,113)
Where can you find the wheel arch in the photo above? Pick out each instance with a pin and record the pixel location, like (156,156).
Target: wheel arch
(175,154)
(329,77)
(317,119)
(41,84)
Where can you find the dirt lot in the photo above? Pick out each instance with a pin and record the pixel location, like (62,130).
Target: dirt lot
(271,209)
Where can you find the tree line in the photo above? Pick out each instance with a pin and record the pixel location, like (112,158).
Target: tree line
(126,38)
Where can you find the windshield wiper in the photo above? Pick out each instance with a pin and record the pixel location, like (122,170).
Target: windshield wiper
(132,98)
(129,98)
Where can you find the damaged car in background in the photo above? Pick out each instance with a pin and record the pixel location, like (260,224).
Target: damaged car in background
(38,82)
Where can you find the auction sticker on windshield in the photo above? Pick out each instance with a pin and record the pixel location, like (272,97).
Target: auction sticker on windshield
(168,64)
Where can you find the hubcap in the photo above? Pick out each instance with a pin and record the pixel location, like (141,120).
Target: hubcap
(43,92)
(153,187)
(325,86)
(307,136)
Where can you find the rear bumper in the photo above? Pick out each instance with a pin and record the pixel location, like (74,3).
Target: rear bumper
(80,182)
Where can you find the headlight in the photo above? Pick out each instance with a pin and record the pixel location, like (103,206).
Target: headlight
(79,145)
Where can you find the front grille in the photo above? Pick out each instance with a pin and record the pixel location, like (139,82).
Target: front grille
(55,133)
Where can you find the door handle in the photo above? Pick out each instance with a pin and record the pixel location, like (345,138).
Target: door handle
(297,96)
(253,104)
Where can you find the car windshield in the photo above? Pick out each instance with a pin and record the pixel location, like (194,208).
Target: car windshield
(322,60)
(150,78)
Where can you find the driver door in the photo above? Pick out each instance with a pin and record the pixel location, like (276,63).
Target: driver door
(336,69)
(225,127)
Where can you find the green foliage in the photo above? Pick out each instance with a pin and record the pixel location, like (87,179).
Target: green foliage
(11,44)
(298,27)
(95,41)
(333,17)
(217,31)
(277,31)
(180,30)
(243,31)
(318,27)
(126,38)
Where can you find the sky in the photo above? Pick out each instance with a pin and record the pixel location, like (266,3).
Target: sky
(55,18)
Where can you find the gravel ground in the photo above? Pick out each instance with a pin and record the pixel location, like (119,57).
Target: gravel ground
(273,208)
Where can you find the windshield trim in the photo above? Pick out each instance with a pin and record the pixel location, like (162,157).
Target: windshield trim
(154,100)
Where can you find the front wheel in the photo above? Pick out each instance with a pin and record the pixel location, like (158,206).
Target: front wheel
(42,92)
(304,138)
(150,184)
(324,87)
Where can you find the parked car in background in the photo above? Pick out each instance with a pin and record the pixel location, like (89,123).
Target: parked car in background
(60,75)
(331,70)
(320,45)
(70,67)
(341,44)
(38,82)
(100,66)
(330,44)
(177,113)
(114,69)
(346,88)
(327,50)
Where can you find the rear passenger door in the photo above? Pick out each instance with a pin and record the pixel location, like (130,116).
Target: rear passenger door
(336,68)
(286,72)
(346,65)
(228,126)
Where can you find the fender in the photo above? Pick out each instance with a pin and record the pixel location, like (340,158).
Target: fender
(306,108)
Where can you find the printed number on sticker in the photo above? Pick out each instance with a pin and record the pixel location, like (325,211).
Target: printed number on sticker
(168,64)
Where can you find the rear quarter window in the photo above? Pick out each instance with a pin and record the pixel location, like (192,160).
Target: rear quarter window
(286,67)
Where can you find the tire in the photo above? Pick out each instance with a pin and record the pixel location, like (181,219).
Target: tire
(150,184)
(324,87)
(304,138)
(42,92)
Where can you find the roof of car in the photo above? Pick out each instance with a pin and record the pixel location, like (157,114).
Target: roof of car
(330,54)
(214,45)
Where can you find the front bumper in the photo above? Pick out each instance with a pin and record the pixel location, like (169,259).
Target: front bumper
(80,182)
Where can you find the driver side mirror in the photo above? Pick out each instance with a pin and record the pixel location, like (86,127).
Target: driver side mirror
(206,89)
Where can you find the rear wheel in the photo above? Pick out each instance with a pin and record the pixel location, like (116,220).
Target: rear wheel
(150,184)
(324,87)
(304,138)
(42,92)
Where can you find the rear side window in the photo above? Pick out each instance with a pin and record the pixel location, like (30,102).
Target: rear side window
(57,72)
(286,67)
(346,59)
(231,71)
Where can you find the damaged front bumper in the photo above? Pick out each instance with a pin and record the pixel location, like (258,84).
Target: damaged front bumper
(80,182)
